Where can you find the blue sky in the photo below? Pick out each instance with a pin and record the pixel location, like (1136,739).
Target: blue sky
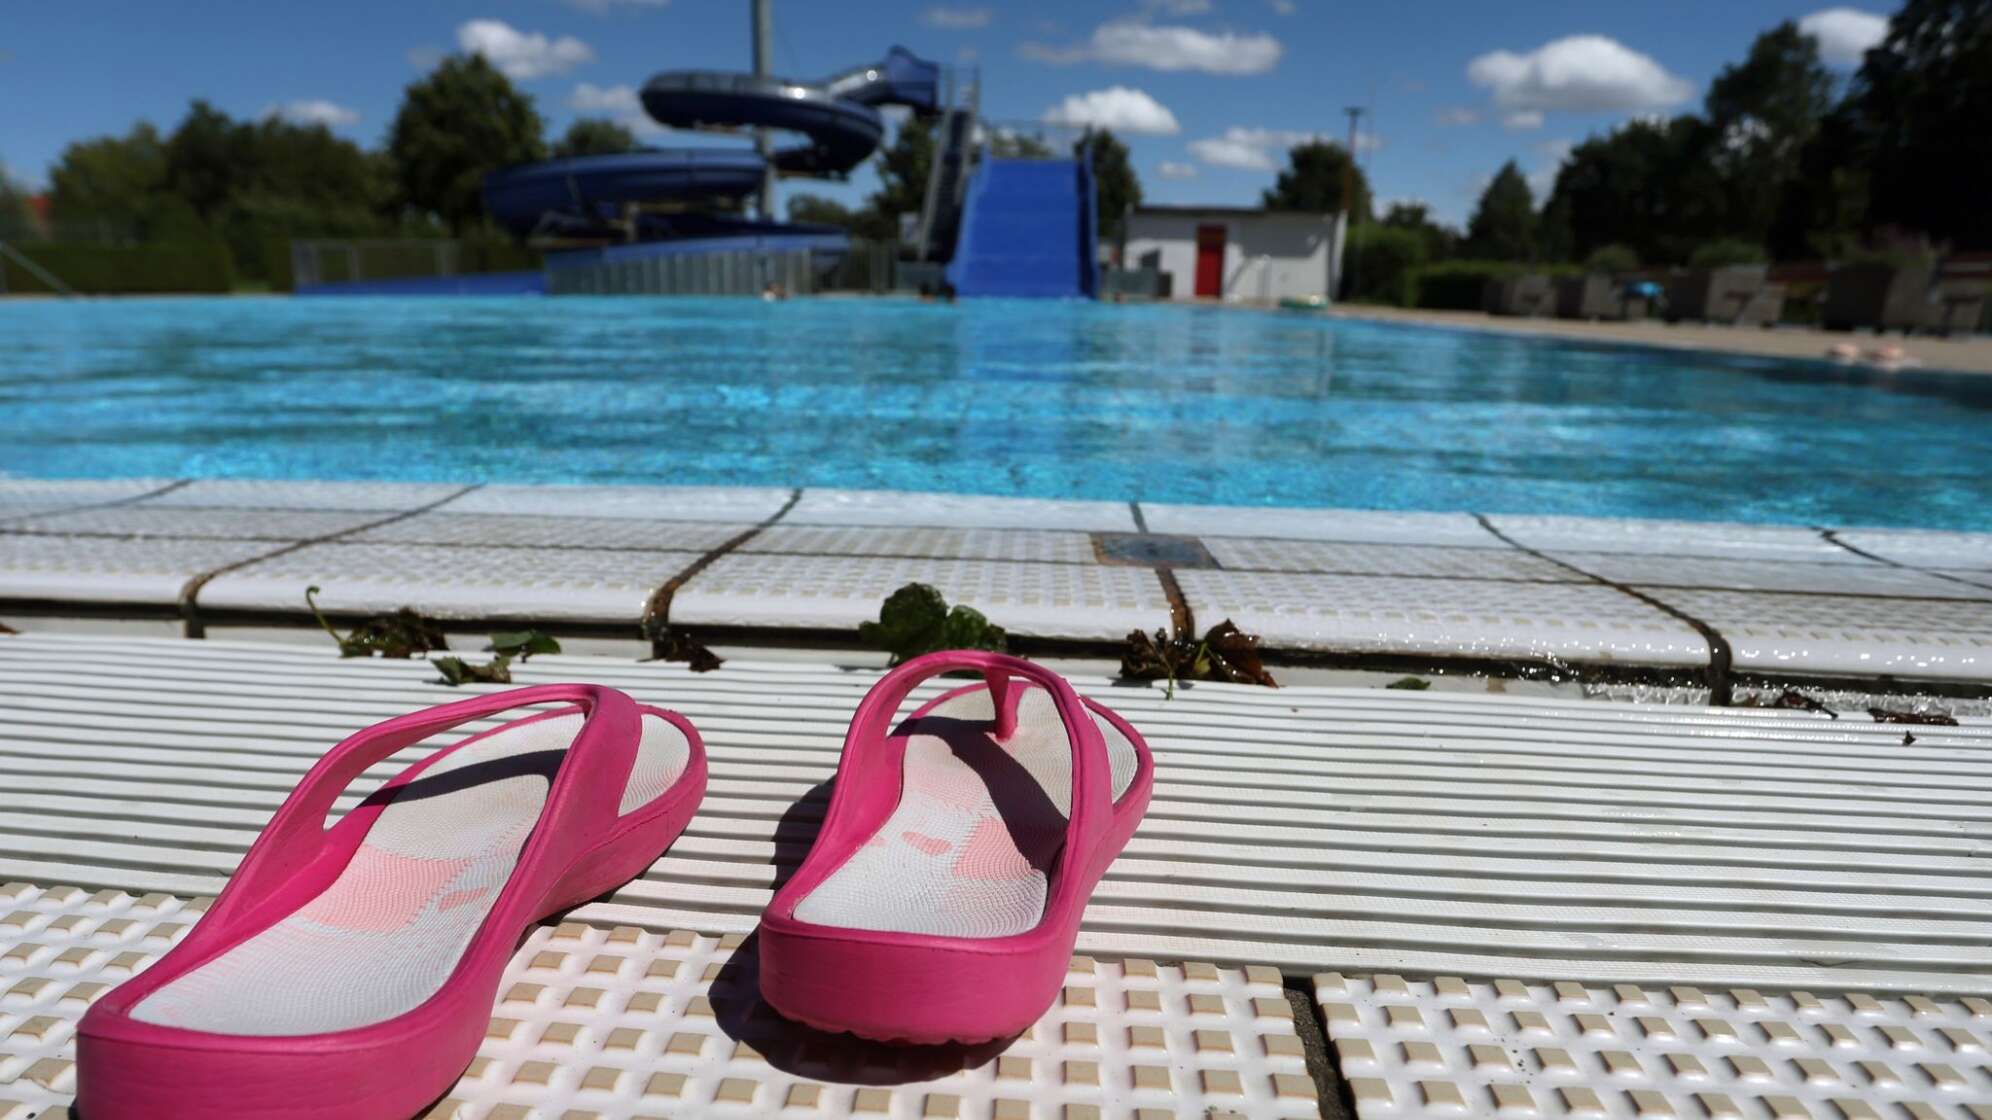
(1220,86)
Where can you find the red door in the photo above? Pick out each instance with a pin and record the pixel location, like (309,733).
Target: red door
(1210,261)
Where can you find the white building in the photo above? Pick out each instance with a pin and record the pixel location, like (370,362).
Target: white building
(1220,252)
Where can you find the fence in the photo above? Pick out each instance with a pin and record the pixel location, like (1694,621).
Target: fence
(668,268)
(316,261)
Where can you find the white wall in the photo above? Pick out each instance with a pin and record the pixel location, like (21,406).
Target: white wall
(1266,256)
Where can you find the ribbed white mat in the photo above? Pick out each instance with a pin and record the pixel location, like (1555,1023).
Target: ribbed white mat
(1315,829)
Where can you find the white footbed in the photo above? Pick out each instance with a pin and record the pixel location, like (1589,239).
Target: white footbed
(969,849)
(386,934)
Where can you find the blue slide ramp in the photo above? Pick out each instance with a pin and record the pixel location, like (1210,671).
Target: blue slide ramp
(1028,230)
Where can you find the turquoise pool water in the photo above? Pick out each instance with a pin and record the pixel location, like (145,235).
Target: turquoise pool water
(1025,398)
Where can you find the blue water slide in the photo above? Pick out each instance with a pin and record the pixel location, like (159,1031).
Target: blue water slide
(838,119)
(1028,230)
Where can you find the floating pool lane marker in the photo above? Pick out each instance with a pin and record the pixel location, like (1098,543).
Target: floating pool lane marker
(1504,1048)
(602,1023)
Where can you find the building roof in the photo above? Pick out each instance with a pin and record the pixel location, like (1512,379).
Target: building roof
(1226,212)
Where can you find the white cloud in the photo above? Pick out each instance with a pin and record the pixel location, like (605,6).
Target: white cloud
(620,103)
(1170,169)
(1575,74)
(1284,7)
(1136,42)
(1118,108)
(1253,149)
(603,7)
(1458,115)
(522,55)
(315,110)
(957,19)
(1845,34)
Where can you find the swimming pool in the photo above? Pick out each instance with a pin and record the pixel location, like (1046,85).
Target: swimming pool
(1022,398)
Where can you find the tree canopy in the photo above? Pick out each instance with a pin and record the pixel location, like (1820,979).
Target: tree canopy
(1115,186)
(457,124)
(1314,180)
(594,136)
(1503,226)
(1921,106)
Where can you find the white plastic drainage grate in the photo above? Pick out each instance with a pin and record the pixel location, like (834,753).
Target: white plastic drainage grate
(596,1023)
(1449,1048)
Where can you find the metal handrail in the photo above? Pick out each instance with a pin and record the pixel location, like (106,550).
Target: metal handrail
(35,270)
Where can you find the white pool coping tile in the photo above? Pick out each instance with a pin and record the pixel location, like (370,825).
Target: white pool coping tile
(1258,554)
(490,530)
(956,511)
(1039,545)
(1752,574)
(1443,617)
(1449,1047)
(1075,601)
(1360,526)
(222,524)
(22,497)
(1925,548)
(751,504)
(1672,538)
(109,570)
(566,585)
(1844,634)
(387,497)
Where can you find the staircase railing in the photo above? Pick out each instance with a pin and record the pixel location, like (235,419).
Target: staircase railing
(35,270)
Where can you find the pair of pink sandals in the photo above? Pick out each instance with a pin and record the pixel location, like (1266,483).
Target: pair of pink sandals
(349,971)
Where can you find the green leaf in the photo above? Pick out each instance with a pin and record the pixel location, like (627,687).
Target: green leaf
(1410,684)
(915,619)
(456,671)
(522,644)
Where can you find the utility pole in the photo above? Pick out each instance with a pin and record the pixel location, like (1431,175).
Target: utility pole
(764,52)
(1349,190)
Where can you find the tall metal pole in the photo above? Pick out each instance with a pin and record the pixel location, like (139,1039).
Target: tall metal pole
(1349,190)
(764,54)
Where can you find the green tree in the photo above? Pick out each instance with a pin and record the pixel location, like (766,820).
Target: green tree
(817,210)
(1653,185)
(1503,226)
(456,125)
(902,167)
(1440,241)
(1383,264)
(17,220)
(1316,175)
(594,136)
(1116,188)
(1764,111)
(114,188)
(204,160)
(1823,210)
(1924,97)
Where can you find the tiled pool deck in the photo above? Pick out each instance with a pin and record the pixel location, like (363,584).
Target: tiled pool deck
(1683,601)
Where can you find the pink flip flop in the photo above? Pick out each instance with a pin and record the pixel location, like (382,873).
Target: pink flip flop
(348,973)
(943,895)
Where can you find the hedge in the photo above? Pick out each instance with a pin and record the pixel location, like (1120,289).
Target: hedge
(200,266)
(1458,285)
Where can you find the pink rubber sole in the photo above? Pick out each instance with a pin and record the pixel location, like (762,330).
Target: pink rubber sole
(924,989)
(129,1070)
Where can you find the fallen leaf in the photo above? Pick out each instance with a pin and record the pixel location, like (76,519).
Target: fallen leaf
(1410,684)
(1224,653)
(402,634)
(522,644)
(456,671)
(1900,715)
